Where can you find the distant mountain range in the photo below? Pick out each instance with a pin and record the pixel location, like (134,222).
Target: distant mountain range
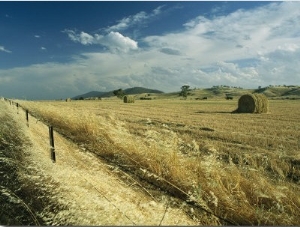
(128,91)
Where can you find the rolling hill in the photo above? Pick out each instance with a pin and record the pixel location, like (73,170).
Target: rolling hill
(273,92)
(128,91)
(280,91)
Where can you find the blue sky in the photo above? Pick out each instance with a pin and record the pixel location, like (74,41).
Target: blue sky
(52,50)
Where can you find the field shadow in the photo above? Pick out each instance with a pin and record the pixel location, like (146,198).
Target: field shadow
(221,112)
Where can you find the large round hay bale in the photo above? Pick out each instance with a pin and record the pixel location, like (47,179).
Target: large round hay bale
(252,103)
(68,100)
(128,99)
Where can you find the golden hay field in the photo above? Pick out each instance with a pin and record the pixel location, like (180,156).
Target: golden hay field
(243,168)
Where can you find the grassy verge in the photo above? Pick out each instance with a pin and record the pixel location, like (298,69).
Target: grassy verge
(241,180)
(22,202)
(14,207)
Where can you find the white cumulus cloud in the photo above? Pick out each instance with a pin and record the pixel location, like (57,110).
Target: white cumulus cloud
(246,48)
(114,41)
(134,20)
(82,37)
(4,50)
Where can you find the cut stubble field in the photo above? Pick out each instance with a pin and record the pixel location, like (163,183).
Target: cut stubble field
(240,168)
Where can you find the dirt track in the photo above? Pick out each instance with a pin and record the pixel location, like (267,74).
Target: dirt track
(84,189)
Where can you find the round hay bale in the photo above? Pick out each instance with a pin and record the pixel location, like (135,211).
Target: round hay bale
(263,103)
(68,100)
(128,99)
(252,103)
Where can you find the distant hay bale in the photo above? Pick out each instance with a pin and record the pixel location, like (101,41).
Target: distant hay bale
(252,103)
(68,100)
(128,99)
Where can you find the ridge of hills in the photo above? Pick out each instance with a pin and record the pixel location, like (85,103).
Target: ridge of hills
(128,91)
(273,92)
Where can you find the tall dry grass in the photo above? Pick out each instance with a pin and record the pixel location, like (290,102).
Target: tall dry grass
(239,168)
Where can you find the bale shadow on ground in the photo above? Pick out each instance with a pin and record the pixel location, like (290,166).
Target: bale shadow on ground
(215,112)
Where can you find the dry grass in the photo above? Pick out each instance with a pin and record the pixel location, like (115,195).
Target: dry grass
(17,206)
(242,168)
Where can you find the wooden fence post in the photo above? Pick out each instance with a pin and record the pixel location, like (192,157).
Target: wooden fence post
(27,119)
(52,149)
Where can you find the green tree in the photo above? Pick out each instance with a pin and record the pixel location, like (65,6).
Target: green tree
(119,93)
(184,91)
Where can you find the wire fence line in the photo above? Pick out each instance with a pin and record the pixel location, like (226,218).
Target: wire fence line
(178,191)
(27,113)
(53,155)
